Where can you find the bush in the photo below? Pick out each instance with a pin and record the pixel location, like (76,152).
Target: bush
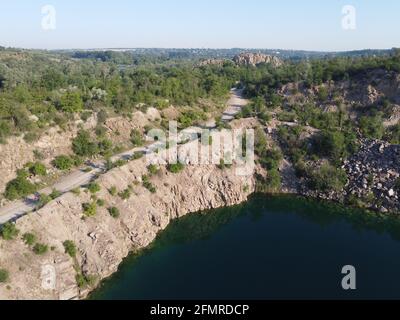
(84,281)
(43,200)
(148,185)
(71,102)
(113,191)
(328,178)
(19,188)
(114,212)
(29,239)
(372,127)
(40,249)
(94,188)
(63,163)
(55,194)
(89,209)
(137,139)
(125,195)
(176,168)
(83,145)
(70,248)
(9,231)
(101,202)
(37,169)
(4,275)
(153,169)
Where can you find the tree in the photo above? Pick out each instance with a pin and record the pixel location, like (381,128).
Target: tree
(83,145)
(71,102)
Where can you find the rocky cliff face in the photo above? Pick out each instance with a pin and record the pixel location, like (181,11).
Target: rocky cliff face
(254,59)
(102,241)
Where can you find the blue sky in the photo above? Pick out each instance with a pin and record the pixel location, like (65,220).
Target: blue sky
(285,24)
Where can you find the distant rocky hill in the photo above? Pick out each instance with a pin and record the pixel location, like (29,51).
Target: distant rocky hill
(254,59)
(245,59)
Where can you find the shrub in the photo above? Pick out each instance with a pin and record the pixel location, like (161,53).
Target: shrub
(372,127)
(71,102)
(137,139)
(9,231)
(94,188)
(84,281)
(113,191)
(63,162)
(101,202)
(148,185)
(19,188)
(55,194)
(328,178)
(40,249)
(37,169)
(29,239)
(125,195)
(114,212)
(83,145)
(4,275)
(89,209)
(153,169)
(176,168)
(43,200)
(70,248)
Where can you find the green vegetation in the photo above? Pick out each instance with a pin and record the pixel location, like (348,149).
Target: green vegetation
(94,188)
(40,249)
(19,187)
(83,145)
(372,127)
(4,276)
(114,212)
(153,169)
(63,162)
(29,239)
(70,248)
(137,138)
(86,281)
(328,178)
(113,191)
(37,169)
(148,185)
(89,209)
(9,231)
(55,194)
(125,194)
(176,168)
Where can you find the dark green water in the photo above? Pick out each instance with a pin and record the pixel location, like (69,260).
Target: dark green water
(268,248)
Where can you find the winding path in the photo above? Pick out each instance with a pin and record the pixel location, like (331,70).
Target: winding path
(79,178)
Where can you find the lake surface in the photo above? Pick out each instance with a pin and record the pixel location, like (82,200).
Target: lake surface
(267,248)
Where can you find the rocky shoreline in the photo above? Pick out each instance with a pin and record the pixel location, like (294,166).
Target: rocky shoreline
(373,179)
